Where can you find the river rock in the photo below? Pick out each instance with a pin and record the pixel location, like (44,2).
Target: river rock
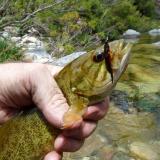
(16,39)
(34,32)
(157,44)
(9,32)
(121,156)
(143,151)
(30,39)
(120,98)
(34,49)
(154,32)
(12,31)
(5,34)
(122,127)
(130,33)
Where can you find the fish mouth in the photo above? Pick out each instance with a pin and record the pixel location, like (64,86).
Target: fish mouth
(124,49)
(104,83)
(124,61)
(106,86)
(121,49)
(103,90)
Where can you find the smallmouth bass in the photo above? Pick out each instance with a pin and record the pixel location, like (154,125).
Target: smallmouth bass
(85,81)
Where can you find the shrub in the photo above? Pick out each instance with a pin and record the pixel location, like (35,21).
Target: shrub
(146,8)
(9,52)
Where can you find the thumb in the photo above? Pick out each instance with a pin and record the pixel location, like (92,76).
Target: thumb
(48,97)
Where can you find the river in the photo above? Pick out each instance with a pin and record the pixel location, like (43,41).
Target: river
(131,129)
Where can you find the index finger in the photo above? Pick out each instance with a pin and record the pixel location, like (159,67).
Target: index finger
(97,111)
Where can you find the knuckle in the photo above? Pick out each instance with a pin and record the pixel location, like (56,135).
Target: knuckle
(78,145)
(102,114)
(38,69)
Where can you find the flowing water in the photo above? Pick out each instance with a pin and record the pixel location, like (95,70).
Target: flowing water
(131,129)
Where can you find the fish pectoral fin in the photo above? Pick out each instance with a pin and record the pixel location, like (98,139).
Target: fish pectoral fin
(75,112)
(70,118)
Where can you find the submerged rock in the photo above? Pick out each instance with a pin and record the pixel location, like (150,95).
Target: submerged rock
(123,128)
(120,99)
(121,156)
(143,151)
(157,44)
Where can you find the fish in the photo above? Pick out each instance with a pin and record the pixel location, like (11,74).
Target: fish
(85,81)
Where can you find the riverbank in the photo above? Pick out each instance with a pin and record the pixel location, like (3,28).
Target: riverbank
(69,26)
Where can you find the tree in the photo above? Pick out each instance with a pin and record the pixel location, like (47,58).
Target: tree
(146,8)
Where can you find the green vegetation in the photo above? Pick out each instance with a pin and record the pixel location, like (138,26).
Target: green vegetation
(79,24)
(146,8)
(8,52)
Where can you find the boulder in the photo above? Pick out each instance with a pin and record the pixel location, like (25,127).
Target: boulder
(130,33)
(154,32)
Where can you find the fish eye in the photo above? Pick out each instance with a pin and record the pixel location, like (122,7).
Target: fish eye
(98,57)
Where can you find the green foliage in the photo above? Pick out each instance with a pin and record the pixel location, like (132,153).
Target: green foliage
(69,17)
(146,8)
(78,22)
(8,52)
(53,33)
(122,16)
(68,48)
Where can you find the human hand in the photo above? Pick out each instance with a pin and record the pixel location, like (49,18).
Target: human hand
(24,84)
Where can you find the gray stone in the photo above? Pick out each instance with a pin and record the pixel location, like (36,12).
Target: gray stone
(34,50)
(29,39)
(157,44)
(5,34)
(130,33)
(15,39)
(12,30)
(33,31)
(154,32)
